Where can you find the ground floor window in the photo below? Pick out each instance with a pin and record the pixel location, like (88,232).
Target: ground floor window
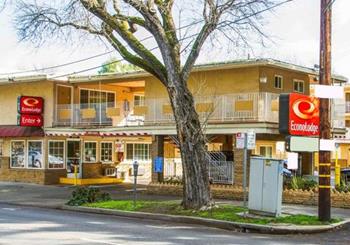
(139,152)
(266,151)
(35,154)
(17,154)
(1,147)
(56,154)
(90,152)
(106,152)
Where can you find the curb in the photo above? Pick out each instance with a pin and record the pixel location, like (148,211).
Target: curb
(227,225)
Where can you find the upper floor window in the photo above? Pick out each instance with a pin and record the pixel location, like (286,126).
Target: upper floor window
(347,97)
(90,98)
(139,100)
(298,86)
(278,82)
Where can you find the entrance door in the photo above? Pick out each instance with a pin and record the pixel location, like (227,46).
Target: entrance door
(73,158)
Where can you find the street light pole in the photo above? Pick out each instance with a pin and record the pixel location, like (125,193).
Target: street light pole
(324,198)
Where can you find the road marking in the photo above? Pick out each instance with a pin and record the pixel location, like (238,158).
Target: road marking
(99,241)
(9,209)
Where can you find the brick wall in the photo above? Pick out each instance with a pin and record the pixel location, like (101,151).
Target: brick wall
(37,176)
(338,199)
(92,170)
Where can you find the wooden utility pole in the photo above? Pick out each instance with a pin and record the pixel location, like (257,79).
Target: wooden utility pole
(324,198)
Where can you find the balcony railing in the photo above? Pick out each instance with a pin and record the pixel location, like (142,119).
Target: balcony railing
(347,106)
(228,108)
(96,115)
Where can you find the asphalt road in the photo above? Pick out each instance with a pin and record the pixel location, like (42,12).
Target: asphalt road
(26,225)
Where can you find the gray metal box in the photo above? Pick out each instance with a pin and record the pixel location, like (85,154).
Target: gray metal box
(265,186)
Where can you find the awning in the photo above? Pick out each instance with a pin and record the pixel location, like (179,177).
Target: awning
(96,133)
(18,131)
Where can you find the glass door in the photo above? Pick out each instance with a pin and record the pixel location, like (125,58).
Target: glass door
(73,158)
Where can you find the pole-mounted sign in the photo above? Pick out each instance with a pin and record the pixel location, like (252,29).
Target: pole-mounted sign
(299,115)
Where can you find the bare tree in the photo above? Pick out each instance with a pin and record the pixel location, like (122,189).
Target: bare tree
(120,22)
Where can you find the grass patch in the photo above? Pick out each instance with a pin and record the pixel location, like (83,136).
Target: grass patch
(225,212)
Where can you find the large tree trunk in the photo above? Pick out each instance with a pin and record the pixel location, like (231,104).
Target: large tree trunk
(196,193)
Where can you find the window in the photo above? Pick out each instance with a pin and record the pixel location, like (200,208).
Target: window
(106,152)
(139,100)
(298,86)
(56,154)
(90,152)
(1,147)
(91,98)
(140,152)
(266,151)
(17,154)
(35,154)
(278,82)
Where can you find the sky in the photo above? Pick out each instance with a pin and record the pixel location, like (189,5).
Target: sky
(293,30)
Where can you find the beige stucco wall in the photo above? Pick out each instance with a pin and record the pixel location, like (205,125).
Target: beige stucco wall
(288,77)
(213,82)
(10,92)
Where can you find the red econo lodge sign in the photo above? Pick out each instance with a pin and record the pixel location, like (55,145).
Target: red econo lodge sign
(299,115)
(30,105)
(31,120)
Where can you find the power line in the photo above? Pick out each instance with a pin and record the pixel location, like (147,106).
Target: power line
(224,23)
(116,61)
(91,57)
(185,26)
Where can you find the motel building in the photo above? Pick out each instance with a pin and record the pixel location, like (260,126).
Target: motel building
(94,127)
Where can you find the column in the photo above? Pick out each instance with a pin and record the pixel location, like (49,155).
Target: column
(157,150)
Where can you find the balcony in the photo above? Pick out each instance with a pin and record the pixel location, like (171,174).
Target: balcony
(347,107)
(228,108)
(96,115)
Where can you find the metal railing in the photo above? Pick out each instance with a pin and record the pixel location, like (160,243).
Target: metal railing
(255,107)
(95,114)
(347,106)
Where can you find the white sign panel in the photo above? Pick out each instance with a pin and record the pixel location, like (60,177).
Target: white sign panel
(327,145)
(280,146)
(292,160)
(251,139)
(240,140)
(329,92)
(303,144)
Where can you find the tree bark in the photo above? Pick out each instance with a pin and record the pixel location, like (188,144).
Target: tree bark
(196,192)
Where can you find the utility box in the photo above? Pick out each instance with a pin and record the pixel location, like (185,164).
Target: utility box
(265,186)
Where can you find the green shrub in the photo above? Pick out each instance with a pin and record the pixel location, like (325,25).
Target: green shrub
(83,195)
(343,187)
(299,183)
(173,180)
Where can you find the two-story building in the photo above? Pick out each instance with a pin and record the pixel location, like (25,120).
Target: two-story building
(102,123)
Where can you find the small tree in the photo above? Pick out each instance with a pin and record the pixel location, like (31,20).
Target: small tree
(113,65)
(119,21)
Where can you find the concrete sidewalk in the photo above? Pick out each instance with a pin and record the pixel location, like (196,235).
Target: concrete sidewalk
(56,196)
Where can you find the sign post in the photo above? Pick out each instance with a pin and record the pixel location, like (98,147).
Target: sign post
(245,141)
(135,168)
(337,167)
